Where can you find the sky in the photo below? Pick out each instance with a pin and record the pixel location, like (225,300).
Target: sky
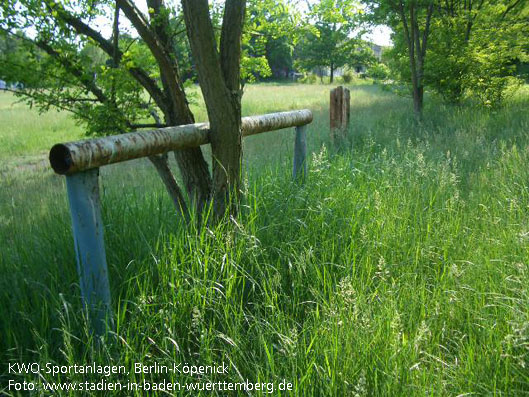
(380,35)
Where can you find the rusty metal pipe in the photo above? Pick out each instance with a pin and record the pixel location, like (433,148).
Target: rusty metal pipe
(69,158)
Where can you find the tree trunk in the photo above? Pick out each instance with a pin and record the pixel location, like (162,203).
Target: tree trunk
(226,147)
(420,82)
(191,163)
(219,77)
(415,82)
(332,73)
(161,165)
(416,48)
(195,174)
(417,99)
(171,99)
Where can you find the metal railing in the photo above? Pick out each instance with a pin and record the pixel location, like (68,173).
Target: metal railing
(80,162)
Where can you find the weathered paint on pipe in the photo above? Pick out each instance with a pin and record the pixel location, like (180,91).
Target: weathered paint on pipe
(69,158)
(85,207)
(275,121)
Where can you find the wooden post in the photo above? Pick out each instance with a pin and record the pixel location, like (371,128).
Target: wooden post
(339,114)
(299,172)
(85,207)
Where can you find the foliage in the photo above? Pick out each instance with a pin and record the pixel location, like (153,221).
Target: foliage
(63,70)
(329,43)
(280,55)
(17,58)
(272,29)
(309,78)
(378,71)
(253,67)
(474,51)
(347,76)
(472,48)
(362,54)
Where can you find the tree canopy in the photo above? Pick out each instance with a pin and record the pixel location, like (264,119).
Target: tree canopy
(462,48)
(332,40)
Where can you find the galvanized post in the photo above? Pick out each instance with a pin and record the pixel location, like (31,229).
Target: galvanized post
(85,207)
(299,171)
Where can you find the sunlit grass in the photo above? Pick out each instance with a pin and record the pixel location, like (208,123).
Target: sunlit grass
(26,135)
(399,269)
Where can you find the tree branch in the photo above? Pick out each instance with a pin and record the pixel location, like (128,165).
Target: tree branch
(137,73)
(73,69)
(405,24)
(115,57)
(55,104)
(60,79)
(510,8)
(204,47)
(426,31)
(415,31)
(230,42)
(179,111)
(115,38)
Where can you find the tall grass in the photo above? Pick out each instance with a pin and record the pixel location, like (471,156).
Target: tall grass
(26,135)
(400,268)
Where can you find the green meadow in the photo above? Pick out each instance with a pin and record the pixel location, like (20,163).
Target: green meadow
(401,267)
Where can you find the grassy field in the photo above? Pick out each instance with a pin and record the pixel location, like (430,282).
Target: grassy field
(26,136)
(400,268)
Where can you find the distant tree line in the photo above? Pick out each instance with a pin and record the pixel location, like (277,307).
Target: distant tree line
(457,49)
(278,39)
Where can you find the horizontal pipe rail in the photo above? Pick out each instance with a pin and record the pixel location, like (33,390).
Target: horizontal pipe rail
(69,158)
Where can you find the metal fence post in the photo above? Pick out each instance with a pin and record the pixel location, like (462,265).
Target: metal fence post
(300,153)
(85,207)
(80,162)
